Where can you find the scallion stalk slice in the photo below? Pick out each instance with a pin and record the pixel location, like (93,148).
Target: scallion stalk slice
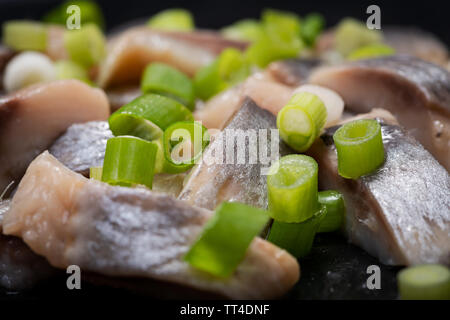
(424,282)
(129,161)
(228,69)
(312,25)
(165,80)
(24,35)
(301,120)
(225,238)
(96,173)
(172,20)
(371,51)
(352,34)
(359,148)
(292,188)
(244,30)
(296,238)
(183,144)
(66,69)
(85,46)
(147,116)
(334,218)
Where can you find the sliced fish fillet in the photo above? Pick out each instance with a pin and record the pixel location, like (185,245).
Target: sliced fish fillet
(32,118)
(401,212)
(415,91)
(129,232)
(221,176)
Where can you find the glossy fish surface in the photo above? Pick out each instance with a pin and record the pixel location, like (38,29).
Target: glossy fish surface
(416,92)
(401,212)
(131,232)
(220,176)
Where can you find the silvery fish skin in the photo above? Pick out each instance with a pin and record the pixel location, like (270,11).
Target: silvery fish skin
(210,182)
(401,212)
(293,72)
(131,232)
(415,91)
(82,146)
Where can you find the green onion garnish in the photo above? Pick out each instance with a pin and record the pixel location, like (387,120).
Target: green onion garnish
(24,35)
(359,148)
(352,34)
(66,69)
(165,80)
(96,173)
(424,282)
(292,188)
(172,20)
(244,30)
(311,27)
(225,238)
(85,46)
(296,238)
(228,69)
(90,13)
(147,116)
(183,144)
(129,161)
(371,51)
(334,218)
(301,120)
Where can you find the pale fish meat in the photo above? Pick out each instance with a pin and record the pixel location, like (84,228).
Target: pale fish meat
(131,232)
(401,212)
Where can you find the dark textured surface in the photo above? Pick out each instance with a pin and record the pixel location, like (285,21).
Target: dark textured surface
(334,270)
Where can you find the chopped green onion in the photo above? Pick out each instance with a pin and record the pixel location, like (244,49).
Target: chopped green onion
(66,69)
(292,188)
(24,35)
(311,27)
(96,173)
(245,30)
(283,21)
(90,13)
(352,34)
(225,238)
(296,238)
(424,282)
(371,51)
(183,144)
(359,148)
(228,69)
(165,80)
(85,46)
(334,218)
(129,161)
(301,120)
(147,116)
(172,20)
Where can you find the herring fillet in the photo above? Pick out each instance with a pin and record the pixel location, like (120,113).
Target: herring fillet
(415,91)
(130,232)
(213,181)
(401,212)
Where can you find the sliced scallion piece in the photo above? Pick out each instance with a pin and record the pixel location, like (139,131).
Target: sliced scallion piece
(24,35)
(66,69)
(371,51)
(334,218)
(228,69)
(129,161)
(301,120)
(172,20)
(147,116)
(311,27)
(296,238)
(359,148)
(245,30)
(96,173)
(226,237)
(292,188)
(165,80)
(352,34)
(183,144)
(85,46)
(424,282)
